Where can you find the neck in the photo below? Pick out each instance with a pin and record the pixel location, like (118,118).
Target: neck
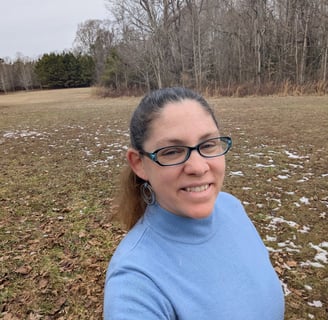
(180,228)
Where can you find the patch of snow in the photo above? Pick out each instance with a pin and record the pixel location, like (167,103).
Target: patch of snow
(291,250)
(321,255)
(304,200)
(259,165)
(309,263)
(305,229)
(269,238)
(307,287)
(294,155)
(22,134)
(324,244)
(285,288)
(322,215)
(295,165)
(270,249)
(289,246)
(276,220)
(315,303)
(236,173)
(277,200)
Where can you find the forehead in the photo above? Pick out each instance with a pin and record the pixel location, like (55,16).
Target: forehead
(186,121)
(186,107)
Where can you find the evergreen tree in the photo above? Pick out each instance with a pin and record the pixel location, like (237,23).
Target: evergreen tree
(64,70)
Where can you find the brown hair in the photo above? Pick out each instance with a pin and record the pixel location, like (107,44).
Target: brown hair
(131,204)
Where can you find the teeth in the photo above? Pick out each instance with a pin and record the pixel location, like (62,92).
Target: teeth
(198,189)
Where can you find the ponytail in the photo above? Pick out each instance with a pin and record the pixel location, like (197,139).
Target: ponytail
(131,205)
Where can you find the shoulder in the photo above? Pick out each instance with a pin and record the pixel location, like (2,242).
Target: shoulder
(231,209)
(226,195)
(129,245)
(130,291)
(225,199)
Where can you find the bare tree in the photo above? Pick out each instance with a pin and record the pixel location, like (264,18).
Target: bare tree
(7,82)
(24,72)
(154,24)
(323,38)
(95,38)
(3,76)
(214,43)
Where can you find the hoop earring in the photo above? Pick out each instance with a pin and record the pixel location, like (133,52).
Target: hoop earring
(147,193)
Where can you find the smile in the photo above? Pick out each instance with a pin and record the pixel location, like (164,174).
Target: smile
(198,189)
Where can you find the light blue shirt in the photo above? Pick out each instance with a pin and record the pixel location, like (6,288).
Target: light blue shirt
(173,267)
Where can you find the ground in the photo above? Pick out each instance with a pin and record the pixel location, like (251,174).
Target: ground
(61,153)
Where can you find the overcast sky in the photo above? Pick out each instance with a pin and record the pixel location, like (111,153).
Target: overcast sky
(35,27)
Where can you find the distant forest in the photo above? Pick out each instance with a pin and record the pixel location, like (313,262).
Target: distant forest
(225,47)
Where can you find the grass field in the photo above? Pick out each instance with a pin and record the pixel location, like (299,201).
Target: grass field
(60,155)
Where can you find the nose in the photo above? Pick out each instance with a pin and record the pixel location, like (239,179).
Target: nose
(196,164)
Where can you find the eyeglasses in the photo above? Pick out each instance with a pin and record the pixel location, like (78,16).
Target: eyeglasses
(174,155)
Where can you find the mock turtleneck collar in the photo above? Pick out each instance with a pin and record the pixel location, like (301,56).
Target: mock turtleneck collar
(179,228)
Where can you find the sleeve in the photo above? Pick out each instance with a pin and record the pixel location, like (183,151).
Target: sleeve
(132,295)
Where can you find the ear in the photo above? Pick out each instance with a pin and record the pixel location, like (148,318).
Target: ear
(136,163)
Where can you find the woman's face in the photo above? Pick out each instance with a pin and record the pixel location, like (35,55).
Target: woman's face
(188,189)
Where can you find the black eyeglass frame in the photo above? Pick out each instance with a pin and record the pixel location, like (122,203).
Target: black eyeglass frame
(153,155)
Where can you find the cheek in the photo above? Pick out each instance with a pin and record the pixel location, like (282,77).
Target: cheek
(162,178)
(219,166)
(159,178)
(223,166)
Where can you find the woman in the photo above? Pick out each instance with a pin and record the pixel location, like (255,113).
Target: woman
(191,252)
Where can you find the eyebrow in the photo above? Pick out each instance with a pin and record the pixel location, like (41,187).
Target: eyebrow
(179,142)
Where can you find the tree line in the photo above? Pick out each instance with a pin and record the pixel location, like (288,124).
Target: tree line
(221,46)
(51,71)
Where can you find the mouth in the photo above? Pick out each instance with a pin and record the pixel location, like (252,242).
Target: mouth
(201,188)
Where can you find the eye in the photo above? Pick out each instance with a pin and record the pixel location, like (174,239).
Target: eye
(171,152)
(208,145)
(211,147)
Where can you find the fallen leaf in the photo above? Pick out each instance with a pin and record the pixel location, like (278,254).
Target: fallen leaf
(291,263)
(59,304)
(9,316)
(43,283)
(278,270)
(24,270)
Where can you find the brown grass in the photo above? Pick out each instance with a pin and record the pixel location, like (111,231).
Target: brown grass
(61,153)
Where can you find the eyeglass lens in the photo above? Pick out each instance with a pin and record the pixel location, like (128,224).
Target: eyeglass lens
(179,154)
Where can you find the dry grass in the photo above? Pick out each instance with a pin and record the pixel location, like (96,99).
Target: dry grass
(61,152)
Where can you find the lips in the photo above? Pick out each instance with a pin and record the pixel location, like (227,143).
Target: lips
(197,188)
